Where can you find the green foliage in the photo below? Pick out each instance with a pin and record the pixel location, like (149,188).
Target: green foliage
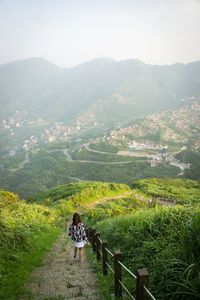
(82,191)
(182,190)
(194,159)
(17,272)
(13,161)
(164,240)
(84,154)
(22,228)
(116,206)
(105,283)
(69,197)
(104,147)
(48,168)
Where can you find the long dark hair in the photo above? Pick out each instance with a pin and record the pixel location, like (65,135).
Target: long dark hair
(76,219)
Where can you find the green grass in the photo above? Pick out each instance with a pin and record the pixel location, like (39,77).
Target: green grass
(104,147)
(27,232)
(83,191)
(75,196)
(84,154)
(17,273)
(166,242)
(182,190)
(105,284)
(127,204)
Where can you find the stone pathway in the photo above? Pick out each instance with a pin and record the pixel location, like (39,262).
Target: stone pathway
(61,277)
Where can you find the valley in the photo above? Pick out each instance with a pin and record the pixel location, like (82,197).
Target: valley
(122,129)
(58,153)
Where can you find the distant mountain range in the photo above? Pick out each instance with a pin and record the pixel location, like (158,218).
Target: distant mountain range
(102,90)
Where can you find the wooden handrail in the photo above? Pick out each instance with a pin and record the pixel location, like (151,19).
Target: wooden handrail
(100,248)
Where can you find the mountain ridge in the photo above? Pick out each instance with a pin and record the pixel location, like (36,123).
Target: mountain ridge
(52,92)
(105,58)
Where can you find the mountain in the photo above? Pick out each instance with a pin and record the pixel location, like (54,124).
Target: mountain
(102,90)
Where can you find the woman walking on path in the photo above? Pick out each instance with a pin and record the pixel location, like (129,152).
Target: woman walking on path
(78,235)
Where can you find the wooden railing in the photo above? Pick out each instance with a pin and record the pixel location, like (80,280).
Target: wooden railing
(100,248)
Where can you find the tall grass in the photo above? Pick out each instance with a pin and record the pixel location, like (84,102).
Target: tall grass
(26,232)
(182,190)
(76,196)
(164,240)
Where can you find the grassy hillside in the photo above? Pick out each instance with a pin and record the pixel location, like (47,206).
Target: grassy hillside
(27,232)
(164,240)
(78,196)
(182,190)
(176,127)
(116,206)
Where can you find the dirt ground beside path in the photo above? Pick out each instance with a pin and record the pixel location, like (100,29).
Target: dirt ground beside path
(61,277)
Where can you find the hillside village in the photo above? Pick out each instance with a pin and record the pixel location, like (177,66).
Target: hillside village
(44,133)
(159,156)
(180,127)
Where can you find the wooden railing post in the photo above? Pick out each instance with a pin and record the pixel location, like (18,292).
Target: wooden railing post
(98,245)
(117,273)
(142,279)
(93,237)
(105,257)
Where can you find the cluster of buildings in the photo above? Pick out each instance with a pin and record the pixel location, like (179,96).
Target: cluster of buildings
(43,132)
(32,141)
(56,133)
(147,145)
(167,159)
(177,126)
(14,122)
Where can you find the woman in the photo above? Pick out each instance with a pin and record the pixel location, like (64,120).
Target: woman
(78,235)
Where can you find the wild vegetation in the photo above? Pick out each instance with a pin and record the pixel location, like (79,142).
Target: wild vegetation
(70,197)
(166,242)
(27,231)
(183,191)
(194,159)
(116,206)
(163,239)
(84,154)
(104,147)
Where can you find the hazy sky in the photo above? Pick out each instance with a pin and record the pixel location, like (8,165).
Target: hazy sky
(68,32)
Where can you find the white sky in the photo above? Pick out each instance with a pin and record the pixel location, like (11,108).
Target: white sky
(69,32)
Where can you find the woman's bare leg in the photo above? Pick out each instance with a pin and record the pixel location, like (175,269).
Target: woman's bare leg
(75,251)
(81,254)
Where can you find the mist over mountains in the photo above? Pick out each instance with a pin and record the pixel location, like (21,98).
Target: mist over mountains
(102,90)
